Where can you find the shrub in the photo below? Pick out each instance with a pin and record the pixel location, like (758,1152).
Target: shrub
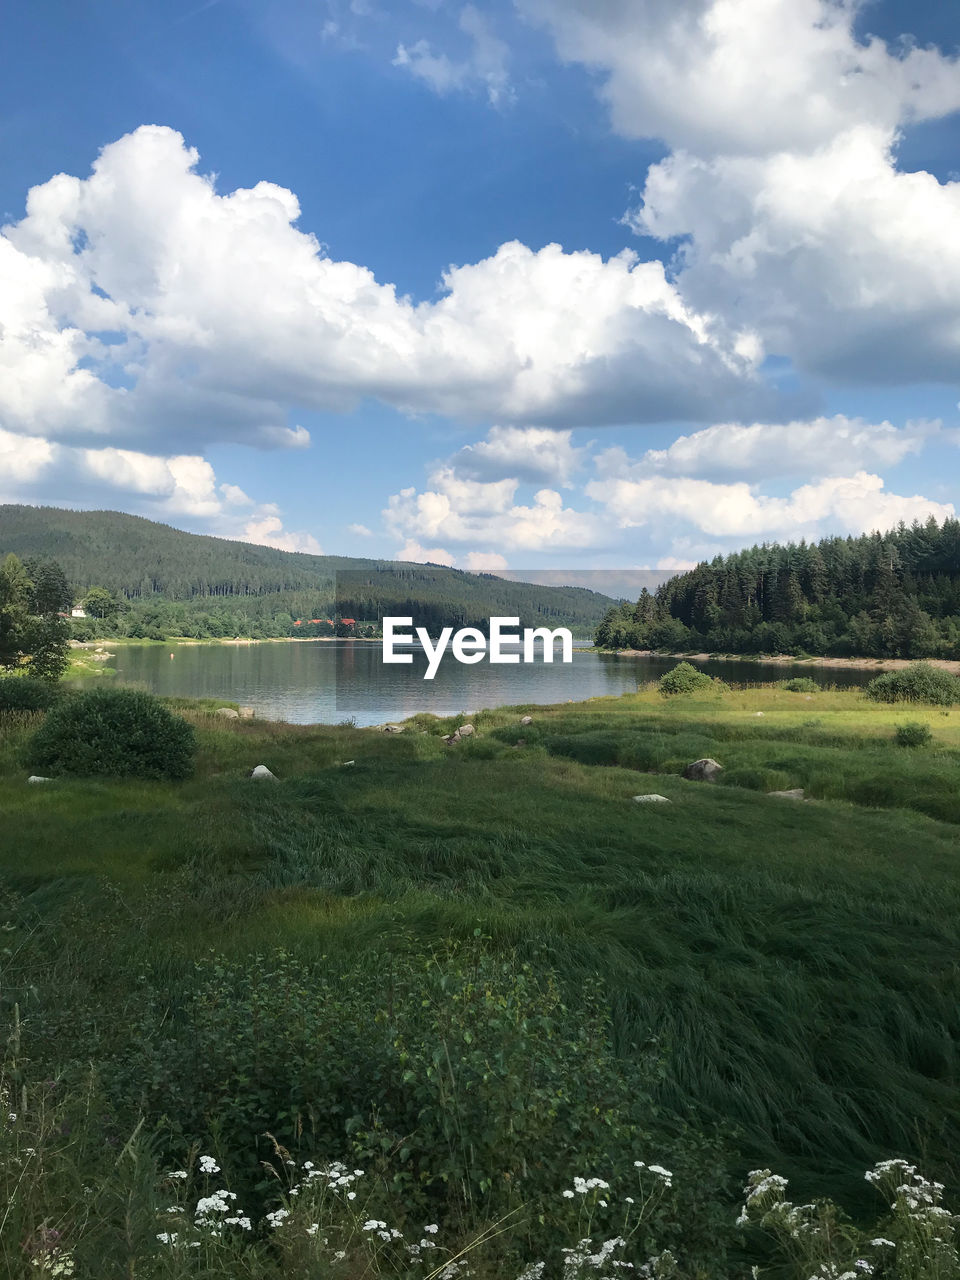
(25,693)
(754,778)
(117,733)
(912,735)
(799,684)
(685,678)
(920,682)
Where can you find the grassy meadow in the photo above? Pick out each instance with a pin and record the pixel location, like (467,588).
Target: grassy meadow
(479,971)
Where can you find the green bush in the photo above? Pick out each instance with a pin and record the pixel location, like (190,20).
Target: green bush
(24,693)
(757,779)
(685,678)
(117,733)
(912,735)
(920,682)
(799,684)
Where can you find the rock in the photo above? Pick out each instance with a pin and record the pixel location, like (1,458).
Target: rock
(759,713)
(35,777)
(465,730)
(247,713)
(526,719)
(704,770)
(227,713)
(262,774)
(796,793)
(393,728)
(345,764)
(652,798)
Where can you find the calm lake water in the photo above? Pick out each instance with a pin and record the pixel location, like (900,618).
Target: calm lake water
(324,682)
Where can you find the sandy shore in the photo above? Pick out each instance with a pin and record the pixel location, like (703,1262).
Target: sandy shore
(784,660)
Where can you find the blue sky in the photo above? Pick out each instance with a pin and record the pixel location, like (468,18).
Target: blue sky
(668,276)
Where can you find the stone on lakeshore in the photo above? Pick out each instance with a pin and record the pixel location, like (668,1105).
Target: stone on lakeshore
(261,773)
(345,764)
(705,770)
(759,713)
(526,719)
(227,713)
(795,793)
(393,728)
(35,777)
(246,713)
(651,798)
(465,730)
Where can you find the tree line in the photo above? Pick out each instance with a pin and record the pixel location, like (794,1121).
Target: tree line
(144,580)
(881,595)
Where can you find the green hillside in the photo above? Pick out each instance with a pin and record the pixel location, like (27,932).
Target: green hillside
(170,582)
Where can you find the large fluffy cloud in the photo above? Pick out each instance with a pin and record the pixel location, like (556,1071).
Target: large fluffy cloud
(144,303)
(745,76)
(841,260)
(783,184)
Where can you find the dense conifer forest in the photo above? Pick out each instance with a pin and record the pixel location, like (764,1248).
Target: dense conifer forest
(145,580)
(883,595)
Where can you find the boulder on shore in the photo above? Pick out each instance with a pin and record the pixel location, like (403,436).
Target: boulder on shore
(705,770)
(227,713)
(651,798)
(35,777)
(795,793)
(393,728)
(247,713)
(262,774)
(526,719)
(466,730)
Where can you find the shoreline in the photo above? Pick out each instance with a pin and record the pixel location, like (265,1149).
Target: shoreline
(111,642)
(785,660)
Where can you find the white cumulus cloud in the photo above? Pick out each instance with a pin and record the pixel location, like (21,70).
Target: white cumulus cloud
(821,446)
(142,305)
(783,190)
(854,504)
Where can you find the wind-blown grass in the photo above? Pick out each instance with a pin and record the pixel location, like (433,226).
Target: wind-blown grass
(792,962)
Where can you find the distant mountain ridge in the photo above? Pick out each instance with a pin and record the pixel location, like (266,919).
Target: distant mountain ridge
(143,562)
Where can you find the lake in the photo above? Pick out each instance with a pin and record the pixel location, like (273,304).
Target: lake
(325,682)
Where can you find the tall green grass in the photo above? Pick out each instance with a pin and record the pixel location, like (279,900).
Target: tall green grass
(789,966)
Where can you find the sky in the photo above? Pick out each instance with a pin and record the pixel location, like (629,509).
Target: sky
(552,284)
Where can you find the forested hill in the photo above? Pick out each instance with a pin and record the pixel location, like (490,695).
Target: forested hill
(164,581)
(894,594)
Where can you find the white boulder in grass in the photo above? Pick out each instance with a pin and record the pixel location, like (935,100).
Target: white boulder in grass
(262,773)
(227,713)
(526,719)
(795,793)
(466,730)
(651,798)
(35,777)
